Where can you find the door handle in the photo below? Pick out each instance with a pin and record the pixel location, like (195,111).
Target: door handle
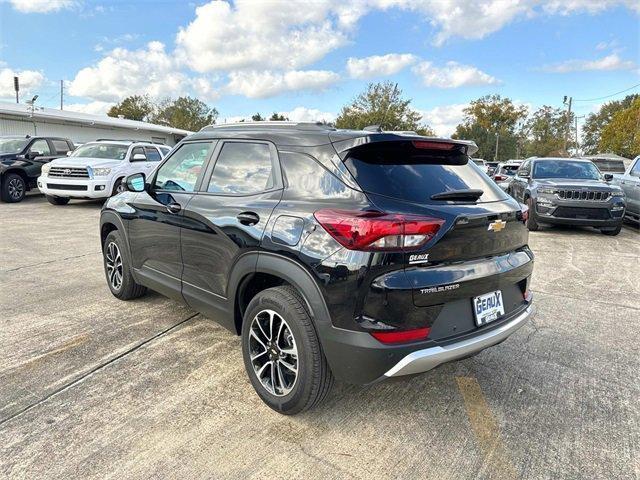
(248,218)
(174,207)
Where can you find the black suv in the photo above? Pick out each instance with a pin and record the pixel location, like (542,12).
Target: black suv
(358,255)
(22,158)
(569,191)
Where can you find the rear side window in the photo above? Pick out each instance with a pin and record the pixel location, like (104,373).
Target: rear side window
(400,171)
(242,168)
(61,146)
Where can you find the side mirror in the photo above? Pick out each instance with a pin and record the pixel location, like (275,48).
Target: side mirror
(135,182)
(139,157)
(33,154)
(608,177)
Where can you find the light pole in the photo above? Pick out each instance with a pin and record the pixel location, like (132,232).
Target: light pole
(495,158)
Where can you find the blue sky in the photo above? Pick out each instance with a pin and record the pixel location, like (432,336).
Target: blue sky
(310,58)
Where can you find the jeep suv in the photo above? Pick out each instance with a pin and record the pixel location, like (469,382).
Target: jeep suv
(96,169)
(354,255)
(569,191)
(22,158)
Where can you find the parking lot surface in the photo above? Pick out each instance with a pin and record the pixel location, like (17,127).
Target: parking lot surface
(91,387)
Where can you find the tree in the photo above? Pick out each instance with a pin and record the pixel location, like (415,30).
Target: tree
(276,117)
(622,134)
(544,132)
(493,120)
(135,107)
(596,122)
(186,113)
(257,118)
(382,104)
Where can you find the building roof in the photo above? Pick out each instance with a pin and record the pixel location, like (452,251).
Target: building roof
(51,114)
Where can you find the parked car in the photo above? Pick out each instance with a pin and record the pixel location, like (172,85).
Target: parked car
(610,163)
(357,255)
(21,160)
(568,192)
(482,164)
(505,172)
(491,167)
(629,181)
(96,169)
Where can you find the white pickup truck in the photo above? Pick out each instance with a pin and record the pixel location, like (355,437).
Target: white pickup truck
(629,181)
(96,169)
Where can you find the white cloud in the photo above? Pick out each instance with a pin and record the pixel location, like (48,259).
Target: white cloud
(95,108)
(444,119)
(30,81)
(610,62)
(255,84)
(379,65)
(304,114)
(42,6)
(452,75)
(263,34)
(125,72)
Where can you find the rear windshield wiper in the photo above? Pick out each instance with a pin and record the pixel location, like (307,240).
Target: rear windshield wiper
(470,195)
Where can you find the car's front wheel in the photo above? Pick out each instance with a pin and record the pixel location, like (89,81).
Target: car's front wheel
(57,200)
(13,188)
(611,231)
(282,354)
(532,224)
(117,269)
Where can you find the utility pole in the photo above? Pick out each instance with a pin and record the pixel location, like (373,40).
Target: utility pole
(61,94)
(16,86)
(568,126)
(495,157)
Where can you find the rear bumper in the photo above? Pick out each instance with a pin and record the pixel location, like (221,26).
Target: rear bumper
(429,358)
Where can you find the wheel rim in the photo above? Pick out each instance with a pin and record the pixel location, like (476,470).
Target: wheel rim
(114,265)
(273,353)
(16,188)
(120,188)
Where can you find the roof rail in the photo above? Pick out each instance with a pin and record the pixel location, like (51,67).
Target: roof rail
(372,128)
(267,124)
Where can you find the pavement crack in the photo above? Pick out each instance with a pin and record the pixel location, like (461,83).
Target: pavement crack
(97,368)
(49,261)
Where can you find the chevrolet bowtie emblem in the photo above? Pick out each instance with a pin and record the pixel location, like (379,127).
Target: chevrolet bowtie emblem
(497,225)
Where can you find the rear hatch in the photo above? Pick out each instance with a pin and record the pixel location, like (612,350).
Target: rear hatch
(482,244)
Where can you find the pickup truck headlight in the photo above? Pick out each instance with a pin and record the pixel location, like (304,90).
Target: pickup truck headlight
(101,172)
(548,191)
(45,169)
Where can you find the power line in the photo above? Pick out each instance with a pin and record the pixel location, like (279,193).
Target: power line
(607,96)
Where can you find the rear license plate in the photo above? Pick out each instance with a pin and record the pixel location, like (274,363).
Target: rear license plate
(488,307)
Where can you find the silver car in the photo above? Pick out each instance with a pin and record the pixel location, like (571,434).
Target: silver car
(629,181)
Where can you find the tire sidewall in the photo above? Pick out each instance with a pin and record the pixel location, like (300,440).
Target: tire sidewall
(5,188)
(292,402)
(115,237)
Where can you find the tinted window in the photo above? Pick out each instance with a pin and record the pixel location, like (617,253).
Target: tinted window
(242,168)
(565,169)
(509,169)
(41,146)
(12,145)
(399,171)
(307,179)
(152,154)
(61,146)
(181,171)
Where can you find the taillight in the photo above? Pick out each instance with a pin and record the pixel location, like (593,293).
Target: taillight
(499,178)
(372,231)
(402,336)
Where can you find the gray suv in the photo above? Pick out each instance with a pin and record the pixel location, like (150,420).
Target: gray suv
(568,192)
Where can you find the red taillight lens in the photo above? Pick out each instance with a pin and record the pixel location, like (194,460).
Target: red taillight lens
(371,231)
(499,178)
(402,336)
(433,145)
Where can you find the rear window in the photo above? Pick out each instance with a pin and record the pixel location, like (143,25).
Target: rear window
(509,169)
(398,170)
(610,166)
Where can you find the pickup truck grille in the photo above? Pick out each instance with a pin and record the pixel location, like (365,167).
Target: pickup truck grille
(592,195)
(68,172)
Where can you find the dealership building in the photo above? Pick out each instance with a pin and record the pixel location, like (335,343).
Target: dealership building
(21,119)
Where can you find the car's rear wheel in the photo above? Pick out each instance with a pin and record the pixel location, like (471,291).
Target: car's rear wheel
(611,231)
(57,200)
(117,269)
(282,354)
(13,188)
(532,224)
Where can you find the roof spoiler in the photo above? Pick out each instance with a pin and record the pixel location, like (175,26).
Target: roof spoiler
(342,146)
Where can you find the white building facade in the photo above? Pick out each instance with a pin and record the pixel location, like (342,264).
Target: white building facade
(21,119)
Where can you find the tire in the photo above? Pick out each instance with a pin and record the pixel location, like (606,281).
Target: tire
(294,331)
(117,269)
(612,232)
(13,188)
(118,187)
(532,224)
(57,200)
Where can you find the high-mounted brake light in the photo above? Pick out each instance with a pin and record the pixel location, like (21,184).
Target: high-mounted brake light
(374,231)
(402,336)
(433,145)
